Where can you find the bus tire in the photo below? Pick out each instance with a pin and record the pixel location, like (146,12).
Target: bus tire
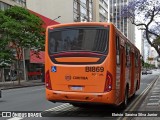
(135,90)
(125,102)
(137,86)
(77,104)
(81,105)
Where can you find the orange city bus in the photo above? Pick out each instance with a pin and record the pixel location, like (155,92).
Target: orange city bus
(90,62)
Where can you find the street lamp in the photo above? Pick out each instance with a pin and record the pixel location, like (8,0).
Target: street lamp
(56,18)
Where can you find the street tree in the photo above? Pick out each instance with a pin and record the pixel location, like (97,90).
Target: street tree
(21,29)
(145,15)
(6,56)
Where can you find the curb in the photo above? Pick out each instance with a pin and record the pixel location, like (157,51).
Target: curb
(22,86)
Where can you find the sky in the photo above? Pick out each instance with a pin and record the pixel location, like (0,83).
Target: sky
(148,51)
(138,38)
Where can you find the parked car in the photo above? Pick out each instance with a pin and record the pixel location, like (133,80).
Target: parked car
(149,72)
(144,72)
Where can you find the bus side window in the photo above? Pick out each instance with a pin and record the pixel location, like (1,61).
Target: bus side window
(127,55)
(136,60)
(117,50)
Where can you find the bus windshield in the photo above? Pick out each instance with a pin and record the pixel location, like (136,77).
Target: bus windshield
(91,39)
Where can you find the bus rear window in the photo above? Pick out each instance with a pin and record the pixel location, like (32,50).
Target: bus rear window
(78,39)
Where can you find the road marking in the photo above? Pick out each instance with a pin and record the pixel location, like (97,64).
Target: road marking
(132,106)
(15,118)
(153,104)
(136,101)
(60,107)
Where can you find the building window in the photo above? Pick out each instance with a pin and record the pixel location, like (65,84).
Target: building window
(82,10)
(102,18)
(21,2)
(4,6)
(102,10)
(104,2)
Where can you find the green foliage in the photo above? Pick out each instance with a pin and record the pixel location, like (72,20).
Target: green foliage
(24,28)
(148,66)
(156,42)
(5,53)
(6,58)
(20,27)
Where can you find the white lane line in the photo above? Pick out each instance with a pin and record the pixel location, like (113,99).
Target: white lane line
(15,118)
(60,107)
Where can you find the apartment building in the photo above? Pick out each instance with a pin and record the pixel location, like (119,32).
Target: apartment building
(123,24)
(63,11)
(5,4)
(101,10)
(151,55)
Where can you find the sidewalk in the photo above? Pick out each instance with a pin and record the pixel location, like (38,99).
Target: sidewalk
(152,100)
(151,104)
(23,83)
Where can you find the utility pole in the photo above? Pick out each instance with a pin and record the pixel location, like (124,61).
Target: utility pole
(108,10)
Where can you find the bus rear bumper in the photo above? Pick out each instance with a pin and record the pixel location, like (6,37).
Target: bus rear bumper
(61,96)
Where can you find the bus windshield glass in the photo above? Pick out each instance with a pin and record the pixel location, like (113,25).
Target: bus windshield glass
(91,39)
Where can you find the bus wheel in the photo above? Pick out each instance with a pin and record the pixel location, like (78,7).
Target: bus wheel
(137,86)
(81,105)
(136,89)
(125,103)
(77,104)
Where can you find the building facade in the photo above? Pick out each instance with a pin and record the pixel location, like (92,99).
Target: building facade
(5,4)
(123,24)
(63,11)
(100,11)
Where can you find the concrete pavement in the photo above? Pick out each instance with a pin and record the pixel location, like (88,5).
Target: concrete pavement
(152,100)
(150,106)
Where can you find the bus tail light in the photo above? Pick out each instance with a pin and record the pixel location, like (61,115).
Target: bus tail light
(48,80)
(108,84)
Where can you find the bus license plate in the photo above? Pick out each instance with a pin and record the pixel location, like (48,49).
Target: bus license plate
(76,88)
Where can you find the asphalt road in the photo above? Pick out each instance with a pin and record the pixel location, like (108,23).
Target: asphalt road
(25,99)
(33,99)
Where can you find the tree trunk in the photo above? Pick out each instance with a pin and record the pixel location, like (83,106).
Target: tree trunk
(18,72)
(149,41)
(19,58)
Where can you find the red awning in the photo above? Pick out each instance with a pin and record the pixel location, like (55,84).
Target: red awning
(34,58)
(47,22)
